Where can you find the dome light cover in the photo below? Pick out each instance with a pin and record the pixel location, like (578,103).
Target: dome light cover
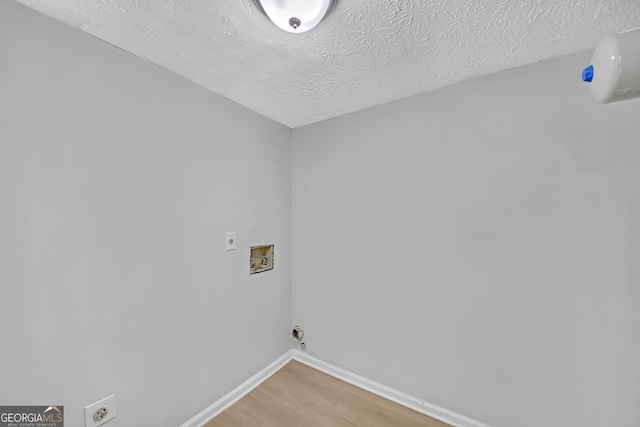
(295,16)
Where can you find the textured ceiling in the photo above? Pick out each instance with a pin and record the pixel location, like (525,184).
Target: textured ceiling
(362,54)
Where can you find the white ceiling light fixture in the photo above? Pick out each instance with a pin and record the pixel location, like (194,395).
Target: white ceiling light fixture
(295,16)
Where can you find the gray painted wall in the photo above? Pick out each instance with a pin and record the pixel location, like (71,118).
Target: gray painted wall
(478,247)
(118,181)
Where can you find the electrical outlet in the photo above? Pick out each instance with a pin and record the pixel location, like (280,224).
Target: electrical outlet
(100,412)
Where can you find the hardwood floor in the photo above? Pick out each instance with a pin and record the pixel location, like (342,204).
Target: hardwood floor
(300,396)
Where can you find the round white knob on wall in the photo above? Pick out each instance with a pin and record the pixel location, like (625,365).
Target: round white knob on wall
(614,73)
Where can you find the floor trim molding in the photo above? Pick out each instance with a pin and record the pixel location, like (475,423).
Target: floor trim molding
(418,405)
(238,393)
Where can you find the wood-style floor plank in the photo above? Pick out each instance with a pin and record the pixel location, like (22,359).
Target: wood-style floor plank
(300,396)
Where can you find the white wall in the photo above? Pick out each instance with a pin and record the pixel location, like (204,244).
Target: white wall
(479,247)
(118,181)
(476,246)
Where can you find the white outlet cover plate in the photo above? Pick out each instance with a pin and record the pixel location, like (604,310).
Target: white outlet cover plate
(230,244)
(107,402)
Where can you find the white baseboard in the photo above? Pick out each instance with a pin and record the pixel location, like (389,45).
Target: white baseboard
(238,393)
(418,405)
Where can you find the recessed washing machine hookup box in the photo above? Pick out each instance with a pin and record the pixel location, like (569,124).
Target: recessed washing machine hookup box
(261,259)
